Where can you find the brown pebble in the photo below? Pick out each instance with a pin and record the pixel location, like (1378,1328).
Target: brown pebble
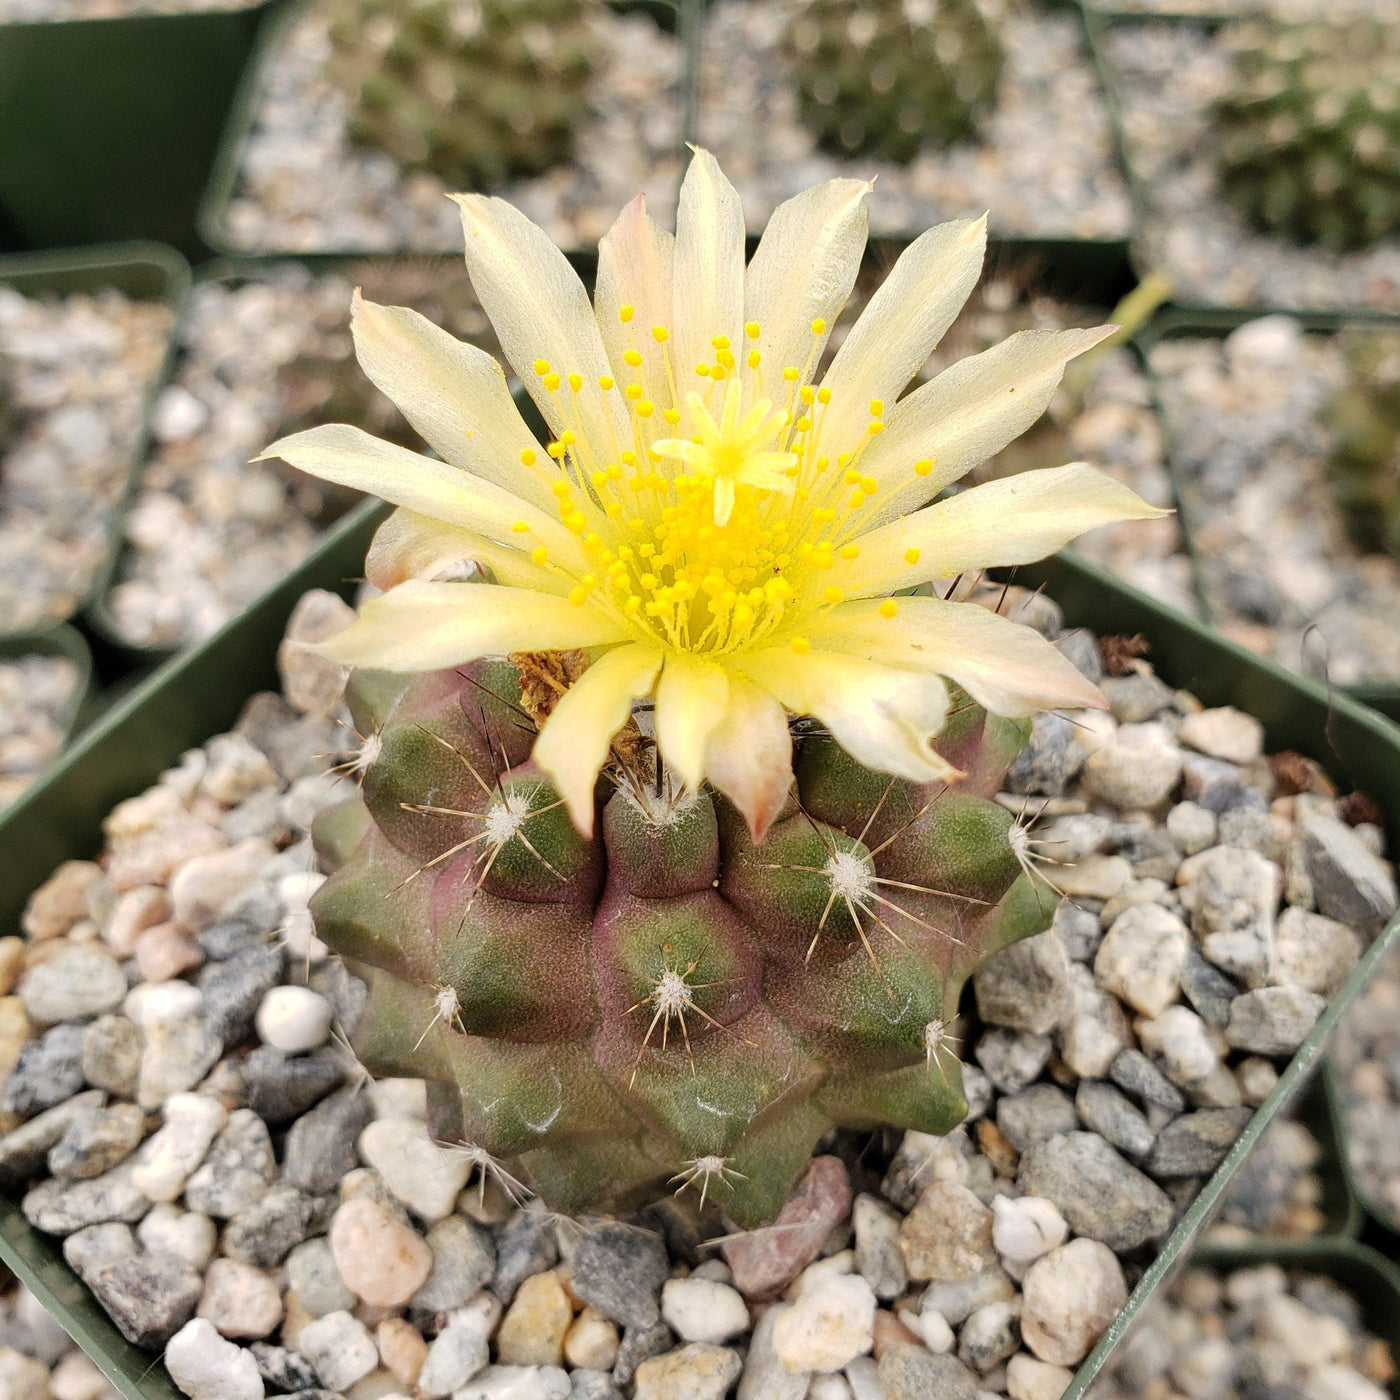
(889,1330)
(401,1349)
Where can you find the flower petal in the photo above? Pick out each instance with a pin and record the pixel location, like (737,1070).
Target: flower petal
(1013,521)
(422,626)
(749,754)
(1005,666)
(690,702)
(635,261)
(900,327)
(540,311)
(351,457)
(885,718)
(967,414)
(453,394)
(408,546)
(574,742)
(709,267)
(803,270)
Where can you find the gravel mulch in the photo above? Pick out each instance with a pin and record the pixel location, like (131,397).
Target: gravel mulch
(303,186)
(1168,76)
(37,696)
(209,528)
(1260,1331)
(1045,166)
(75,372)
(18,11)
(1279,569)
(288,1224)
(38,1359)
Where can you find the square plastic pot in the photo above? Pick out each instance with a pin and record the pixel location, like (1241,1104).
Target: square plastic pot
(199,694)
(108,127)
(142,271)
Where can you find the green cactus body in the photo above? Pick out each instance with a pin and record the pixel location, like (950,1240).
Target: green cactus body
(667,999)
(478,92)
(1364,466)
(1309,134)
(887,78)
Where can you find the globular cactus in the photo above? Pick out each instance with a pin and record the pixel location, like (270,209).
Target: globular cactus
(1309,134)
(1364,417)
(887,78)
(665,1000)
(476,91)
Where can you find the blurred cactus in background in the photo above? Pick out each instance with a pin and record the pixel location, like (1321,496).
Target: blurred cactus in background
(1365,463)
(479,92)
(887,78)
(1309,134)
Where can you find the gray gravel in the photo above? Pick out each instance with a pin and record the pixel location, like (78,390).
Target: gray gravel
(37,697)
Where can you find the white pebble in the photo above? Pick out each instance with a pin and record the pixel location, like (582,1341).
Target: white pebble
(150,1002)
(1030,1379)
(425,1177)
(293,1019)
(206,1367)
(829,1325)
(1025,1227)
(932,1326)
(184,1233)
(340,1348)
(170,1157)
(456,1355)
(699,1310)
(518,1383)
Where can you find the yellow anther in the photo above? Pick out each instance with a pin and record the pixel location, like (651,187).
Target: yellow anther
(660,334)
(819,326)
(703,371)
(856,499)
(875,428)
(792,374)
(803,424)
(911,556)
(726,358)
(869,485)
(539,555)
(527,458)
(560,489)
(600,481)
(755,359)
(889,608)
(556,450)
(752,330)
(645,409)
(824,516)
(807,393)
(568,437)
(850,551)
(520,527)
(720,342)
(605,382)
(578,595)
(633,392)
(551,381)
(576,382)
(717,371)
(832,594)
(624,313)
(877,408)
(852,477)
(633,358)
(672,416)
(923,468)
(823,395)
(541,366)
(800,645)
(629,458)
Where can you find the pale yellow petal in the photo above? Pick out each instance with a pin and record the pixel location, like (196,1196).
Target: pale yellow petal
(1013,521)
(966,415)
(709,268)
(1005,666)
(573,745)
(408,546)
(803,272)
(351,457)
(422,626)
(884,717)
(454,395)
(635,260)
(749,754)
(690,702)
(901,326)
(540,311)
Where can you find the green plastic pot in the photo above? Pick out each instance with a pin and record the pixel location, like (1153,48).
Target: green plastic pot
(108,127)
(1182,322)
(142,271)
(200,693)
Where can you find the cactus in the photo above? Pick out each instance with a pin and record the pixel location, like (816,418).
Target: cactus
(666,999)
(887,78)
(1364,417)
(1308,134)
(478,92)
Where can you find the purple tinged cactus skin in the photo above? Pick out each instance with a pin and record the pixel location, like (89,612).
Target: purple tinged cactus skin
(600,1014)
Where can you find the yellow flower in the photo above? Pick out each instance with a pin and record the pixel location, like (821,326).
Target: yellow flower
(722,531)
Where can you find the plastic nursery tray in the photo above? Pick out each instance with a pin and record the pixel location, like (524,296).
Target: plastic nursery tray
(1099,23)
(142,271)
(1183,322)
(108,127)
(682,18)
(124,654)
(66,642)
(200,692)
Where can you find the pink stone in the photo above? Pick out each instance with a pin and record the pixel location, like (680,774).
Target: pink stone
(166,951)
(379,1258)
(766,1260)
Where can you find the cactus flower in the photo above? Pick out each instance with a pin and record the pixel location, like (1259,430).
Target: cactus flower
(718,525)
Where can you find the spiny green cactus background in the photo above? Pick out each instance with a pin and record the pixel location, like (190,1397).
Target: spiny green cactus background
(1309,135)
(478,92)
(667,1000)
(886,78)
(1364,417)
